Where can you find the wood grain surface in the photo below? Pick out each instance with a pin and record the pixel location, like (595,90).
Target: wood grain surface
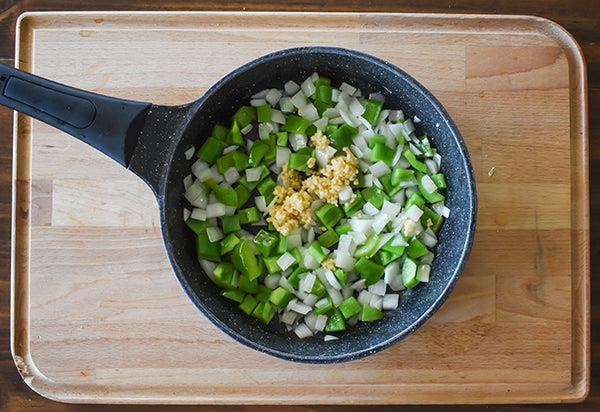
(549,232)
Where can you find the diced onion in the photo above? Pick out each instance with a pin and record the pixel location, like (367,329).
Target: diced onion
(285,260)
(253,173)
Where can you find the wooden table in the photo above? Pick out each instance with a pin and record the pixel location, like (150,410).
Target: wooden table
(578,19)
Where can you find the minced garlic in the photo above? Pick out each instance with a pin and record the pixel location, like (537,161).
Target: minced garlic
(329,264)
(319,140)
(291,207)
(327,182)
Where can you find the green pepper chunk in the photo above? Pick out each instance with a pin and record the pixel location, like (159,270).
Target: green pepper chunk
(281,297)
(244,260)
(264,312)
(211,150)
(248,304)
(329,214)
(369,270)
(208,250)
(416,249)
(328,238)
(417,164)
(243,194)
(342,137)
(249,215)
(323,306)
(265,242)
(230,223)
(198,226)
(354,206)
(370,314)
(383,153)
(295,124)
(244,116)
(224,275)
(237,295)
(375,139)
(350,307)
(409,272)
(220,132)
(263,113)
(335,321)
(226,196)
(228,243)
(316,251)
(235,135)
(372,110)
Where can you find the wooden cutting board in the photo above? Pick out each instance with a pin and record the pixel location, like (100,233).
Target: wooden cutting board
(98,316)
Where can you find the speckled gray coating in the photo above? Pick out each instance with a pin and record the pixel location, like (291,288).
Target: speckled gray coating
(159,159)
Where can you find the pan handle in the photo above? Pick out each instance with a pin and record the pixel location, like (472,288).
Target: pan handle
(109,124)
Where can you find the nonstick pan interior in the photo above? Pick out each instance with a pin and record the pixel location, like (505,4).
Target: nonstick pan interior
(370,75)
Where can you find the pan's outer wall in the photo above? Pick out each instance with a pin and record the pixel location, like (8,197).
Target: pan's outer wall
(370,75)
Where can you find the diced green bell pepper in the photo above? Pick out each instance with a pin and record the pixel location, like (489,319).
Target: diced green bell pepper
(329,214)
(211,150)
(350,307)
(369,270)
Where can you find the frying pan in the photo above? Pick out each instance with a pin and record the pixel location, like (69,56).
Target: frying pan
(150,140)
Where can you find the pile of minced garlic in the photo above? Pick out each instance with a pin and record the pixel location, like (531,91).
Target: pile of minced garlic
(292,204)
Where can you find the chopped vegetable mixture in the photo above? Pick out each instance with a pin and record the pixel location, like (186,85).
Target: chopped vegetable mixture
(316,206)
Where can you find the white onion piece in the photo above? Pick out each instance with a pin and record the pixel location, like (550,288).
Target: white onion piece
(273,96)
(320,323)
(308,87)
(423,273)
(299,99)
(297,141)
(335,295)
(378,288)
(369,209)
(432,166)
(284,283)
(321,123)
(186,213)
(428,185)
(345,262)
(332,280)
(253,173)
(288,317)
(231,175)
(379,222)
(364,297)
(282,155)
(396,115)
(310,300)
(347,88)
(291,87)
(198,214)
(361,225)
(309,112)
(379,169)
(260,95)
(277,116)
(356,107)
(302,331)
(390,301)
(414,213)
(294,240)
(409,126)
(345,194)
(376,302)
(215,210)
(260,203)
(189,153)
(285,260)
(208,267)
(187,181)
(440,209)
(272,280)
(214,234)
(286,105)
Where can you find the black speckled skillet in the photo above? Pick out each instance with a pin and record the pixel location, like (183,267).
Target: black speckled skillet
(150,140)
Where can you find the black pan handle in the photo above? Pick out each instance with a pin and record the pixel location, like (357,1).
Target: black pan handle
(109,124)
